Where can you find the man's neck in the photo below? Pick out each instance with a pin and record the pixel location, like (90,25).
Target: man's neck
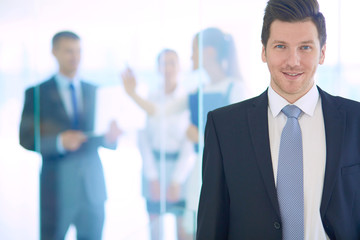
(68,74)
(291,98)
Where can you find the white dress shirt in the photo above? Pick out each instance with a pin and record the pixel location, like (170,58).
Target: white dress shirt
(167,132)
(314,152)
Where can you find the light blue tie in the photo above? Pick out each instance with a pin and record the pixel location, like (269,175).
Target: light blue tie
(75,119)
(290,186)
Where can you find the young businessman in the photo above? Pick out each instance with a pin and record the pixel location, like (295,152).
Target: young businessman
(285,164)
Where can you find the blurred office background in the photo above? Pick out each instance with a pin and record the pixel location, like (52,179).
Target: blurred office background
(117,34)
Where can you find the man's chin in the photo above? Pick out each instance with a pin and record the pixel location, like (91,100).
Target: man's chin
(73,69)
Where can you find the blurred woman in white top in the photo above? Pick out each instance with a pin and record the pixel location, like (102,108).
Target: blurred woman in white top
(167,153)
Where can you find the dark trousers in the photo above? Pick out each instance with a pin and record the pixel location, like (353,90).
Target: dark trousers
(88,220)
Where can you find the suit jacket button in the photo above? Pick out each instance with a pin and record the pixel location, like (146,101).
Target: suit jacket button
(277,225)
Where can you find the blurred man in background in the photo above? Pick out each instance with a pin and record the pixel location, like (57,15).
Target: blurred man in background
(58,122)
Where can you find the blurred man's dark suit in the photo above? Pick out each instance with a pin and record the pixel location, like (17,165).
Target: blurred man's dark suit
(71,180)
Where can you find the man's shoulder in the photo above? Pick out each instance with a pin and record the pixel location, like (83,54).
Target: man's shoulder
(88,86)
(346,102)
(48,83)
(341,103)
(51,81)
(88,83)
(351,107)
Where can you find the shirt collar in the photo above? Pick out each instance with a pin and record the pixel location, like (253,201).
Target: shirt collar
(306,103)
(64,81)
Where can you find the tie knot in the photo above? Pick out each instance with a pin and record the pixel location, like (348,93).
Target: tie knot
(71,86)
(291,111)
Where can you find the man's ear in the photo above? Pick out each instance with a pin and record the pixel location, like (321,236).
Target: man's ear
(263,54)
(53,50)
(322,54)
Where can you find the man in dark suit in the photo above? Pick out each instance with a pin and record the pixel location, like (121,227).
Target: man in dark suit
(242,194)
(58,122)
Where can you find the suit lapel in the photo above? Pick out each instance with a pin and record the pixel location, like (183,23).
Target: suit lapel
(334,120)
(258,125)
(57,103)
(88,99)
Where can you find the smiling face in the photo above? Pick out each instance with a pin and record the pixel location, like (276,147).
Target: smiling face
(292,54)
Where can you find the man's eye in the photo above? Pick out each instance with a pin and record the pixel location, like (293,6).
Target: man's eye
(280,46)
(305,47)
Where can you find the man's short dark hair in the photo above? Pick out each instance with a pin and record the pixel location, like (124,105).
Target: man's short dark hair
(293,11)
(64,34)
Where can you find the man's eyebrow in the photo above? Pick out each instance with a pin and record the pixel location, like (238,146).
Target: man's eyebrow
(307,42)
(283,42)
(277,42)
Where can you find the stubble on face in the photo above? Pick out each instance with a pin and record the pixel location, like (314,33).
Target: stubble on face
(292,55)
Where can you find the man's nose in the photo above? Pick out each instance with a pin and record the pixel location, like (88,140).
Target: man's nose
(293,58)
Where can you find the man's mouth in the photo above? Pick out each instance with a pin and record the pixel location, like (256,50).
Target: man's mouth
(293,74)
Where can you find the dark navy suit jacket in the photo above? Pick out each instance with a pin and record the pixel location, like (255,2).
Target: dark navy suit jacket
(70,178)
(238,197)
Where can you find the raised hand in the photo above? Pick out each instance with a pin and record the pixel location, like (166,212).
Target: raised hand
(129,81)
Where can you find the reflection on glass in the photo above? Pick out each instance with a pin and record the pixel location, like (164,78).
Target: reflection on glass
(215,52)
(167,153)
(58,121)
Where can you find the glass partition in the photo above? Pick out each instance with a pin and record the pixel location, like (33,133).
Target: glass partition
(120,154)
